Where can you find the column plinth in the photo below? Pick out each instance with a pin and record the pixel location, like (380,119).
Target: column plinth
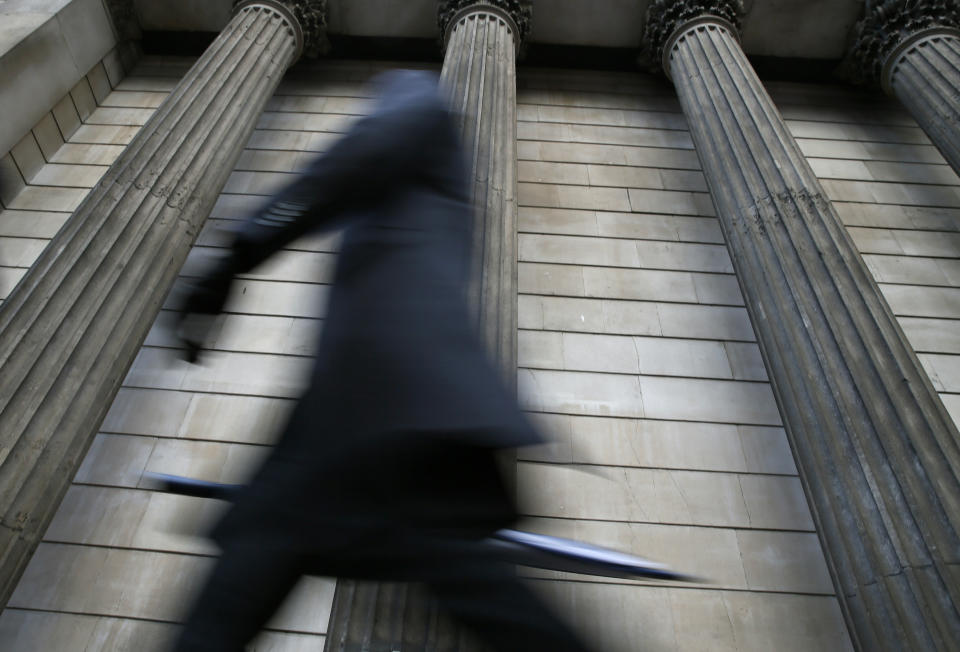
(71,328)
(878,455)
(479,81)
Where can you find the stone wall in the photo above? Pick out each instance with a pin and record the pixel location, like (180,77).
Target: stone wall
(635,352)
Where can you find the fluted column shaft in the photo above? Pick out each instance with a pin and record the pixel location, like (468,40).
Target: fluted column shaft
(924,74)
(71,328)
(479,80)
(877,453)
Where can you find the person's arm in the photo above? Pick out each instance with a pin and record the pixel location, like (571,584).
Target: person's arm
(382,150)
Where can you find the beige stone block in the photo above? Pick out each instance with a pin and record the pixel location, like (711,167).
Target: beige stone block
(950,269)
(529,312)
(776,502)
(48,135)
(227,372)
(660,227)
(138,82)
(206,460)
(580,393)
(919,243)
(147,412)
(577,250)
(134,99)
(538,349)
(65,113)
(269,641)
(642,443)
(931,335)
(944,371)
(9,277)
(110,582)
(20,252)
(29,631)
(683,256)
(268,298)
(532,150)
(660,356)
(556,220)
(763,621)
(69,176)
(83,98)
(706,322)
(624,177)
(862,132)
(557,196)
(648,285)
(913,301)
(115,460)
(13,184)
(608,353)
(280,140)
(31,224)
(709,400)
(906,269)
(670,202)
(708,553)
(625,494)
(874,241)
(701,621)
(27,157)
(565,173)
(692,180)
(286,265)
(104,134)
(784,561)
(848,149)
(614,617)
(83,154)
(656,157)
(534,278)
(130,518)
(599,316)
(952,403)
(120,116)
(718,289)
(766,450)
(307,608)
(270,161)
(245,419)
(745,361)
(827,168)
(911,172)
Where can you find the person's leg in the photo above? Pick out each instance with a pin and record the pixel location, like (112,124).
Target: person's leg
(246,587)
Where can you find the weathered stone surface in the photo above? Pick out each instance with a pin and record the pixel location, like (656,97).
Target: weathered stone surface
(874,445)
(912,48)
(479,77)
(75,322)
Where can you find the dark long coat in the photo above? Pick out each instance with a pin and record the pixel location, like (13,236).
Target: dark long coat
(403,411)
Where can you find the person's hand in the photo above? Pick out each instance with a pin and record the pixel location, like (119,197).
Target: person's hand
(205,300)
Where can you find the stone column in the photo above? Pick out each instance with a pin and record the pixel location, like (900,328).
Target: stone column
(878,454)
(479,78)
(912,48)
(72,326)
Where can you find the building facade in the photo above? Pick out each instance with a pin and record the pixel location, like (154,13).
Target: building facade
(733,303)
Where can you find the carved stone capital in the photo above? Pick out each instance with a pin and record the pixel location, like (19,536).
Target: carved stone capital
(889,23)
(308,18)
(520,11)
(665,17)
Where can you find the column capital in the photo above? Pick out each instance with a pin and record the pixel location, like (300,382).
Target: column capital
(666,17)
(889,27)
(307,18)
(519,11)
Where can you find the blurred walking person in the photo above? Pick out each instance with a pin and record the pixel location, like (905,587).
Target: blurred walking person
(387,466)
